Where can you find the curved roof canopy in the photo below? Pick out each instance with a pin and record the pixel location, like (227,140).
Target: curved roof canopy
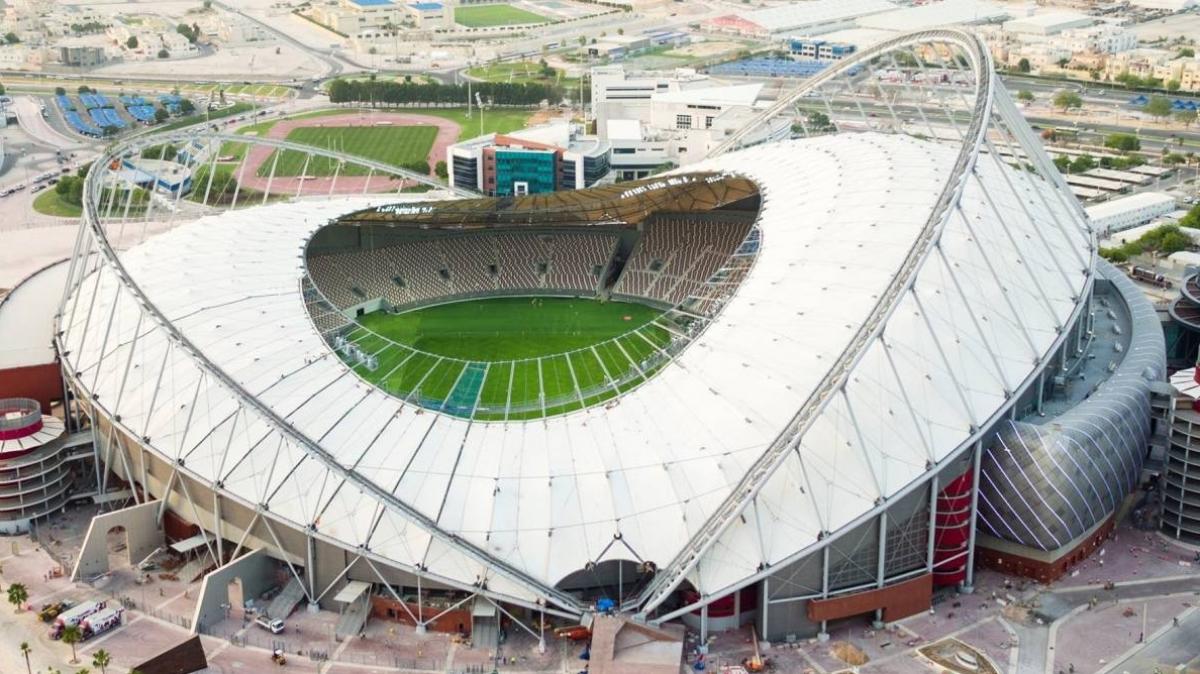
(839,214)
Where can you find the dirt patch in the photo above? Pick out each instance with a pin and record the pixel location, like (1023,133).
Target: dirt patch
(705,49)
(849,653)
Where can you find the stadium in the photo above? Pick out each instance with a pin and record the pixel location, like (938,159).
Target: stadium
(798,382)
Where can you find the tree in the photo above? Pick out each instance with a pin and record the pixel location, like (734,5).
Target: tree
(1067,100)
(1123,142)
(1187,53)
(207,5)
(160,115)
(186,106)
(1186,117)
(72,635)
(11,38)
(17,595)
(1025,95)
(1023,65)
(1083,164)
(441,170)
(84,89)
(1173,85)
(163,53)
(1174,159)
(1062,63)
(1159,107)
(101,659)
(132,42)
(25,651)
(59,91)
(1063,163)
(1192,219)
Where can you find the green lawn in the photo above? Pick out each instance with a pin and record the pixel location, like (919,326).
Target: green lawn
(482,16)
(513,357)
(50,203)
(497,120)
(521,72)
(396,145)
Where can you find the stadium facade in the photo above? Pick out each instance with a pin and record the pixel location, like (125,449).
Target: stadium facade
(891,354)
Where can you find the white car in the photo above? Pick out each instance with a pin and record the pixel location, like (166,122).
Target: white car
(272,626)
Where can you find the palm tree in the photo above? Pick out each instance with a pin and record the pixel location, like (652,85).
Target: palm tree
(84,670)
(101,659)
(17,594)
(25,651)
(71,635)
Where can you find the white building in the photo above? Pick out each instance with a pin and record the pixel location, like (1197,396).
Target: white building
(1048,23)
(1166,5)
(1126,212)
(652,120)
(1105,38)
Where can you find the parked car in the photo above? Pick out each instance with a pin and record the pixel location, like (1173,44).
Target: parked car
(272,626)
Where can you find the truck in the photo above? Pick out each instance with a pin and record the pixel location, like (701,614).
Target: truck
(100,622)
(53,609)
(75,616)
(272,625)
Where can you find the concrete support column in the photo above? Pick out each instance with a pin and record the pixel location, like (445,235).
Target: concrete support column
(766,613)
(823,635)
(704,628)
(879,566)
(968,585)
(934,488)
(310,568)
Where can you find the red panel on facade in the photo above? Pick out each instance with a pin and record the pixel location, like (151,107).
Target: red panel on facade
(897,601)
(42,383)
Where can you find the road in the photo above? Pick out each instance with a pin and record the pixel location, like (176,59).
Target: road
(1033,652)
(29,118)
(1173,646)
(336,65)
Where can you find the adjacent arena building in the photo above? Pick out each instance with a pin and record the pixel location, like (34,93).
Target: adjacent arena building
(881,354)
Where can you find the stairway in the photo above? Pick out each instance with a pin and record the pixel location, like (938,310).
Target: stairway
(352,620)
(285,602)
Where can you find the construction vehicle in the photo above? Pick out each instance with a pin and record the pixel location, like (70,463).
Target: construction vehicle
(75,616)
(100,622)
(574,633)
(52,610)
(278,657)
(754,663)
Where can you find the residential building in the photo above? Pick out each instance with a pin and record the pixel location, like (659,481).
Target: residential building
(1105,38)
(1141,62)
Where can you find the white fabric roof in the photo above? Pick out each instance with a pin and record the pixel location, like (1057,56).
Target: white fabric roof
(800,15)
(936,14)
(27,318)
(839,214)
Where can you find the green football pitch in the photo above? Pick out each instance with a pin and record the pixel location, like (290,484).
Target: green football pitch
(396,145)
(482,16)
(512,357)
